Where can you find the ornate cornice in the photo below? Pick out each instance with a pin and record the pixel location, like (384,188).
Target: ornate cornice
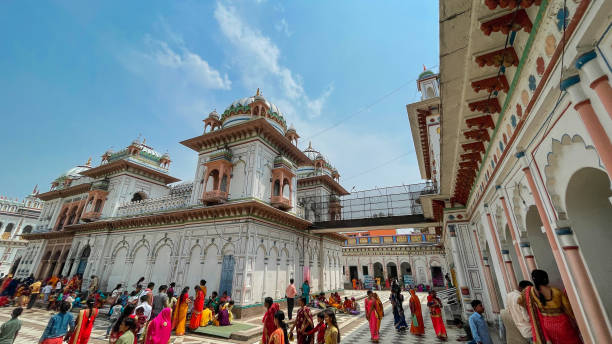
(125,165)
(323,179)
(70,191)
(256,127)
(232,210)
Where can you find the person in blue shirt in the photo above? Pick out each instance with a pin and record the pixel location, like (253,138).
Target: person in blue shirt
(59,325)
(478,325)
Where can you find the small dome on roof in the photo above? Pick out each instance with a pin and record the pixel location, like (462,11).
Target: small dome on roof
(425,74)
(240,108)
(165,156)
(214,114)
(74,172)
(135,142)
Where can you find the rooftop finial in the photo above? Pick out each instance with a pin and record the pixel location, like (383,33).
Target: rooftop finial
(309,144)
(144,140)
(88,162)
(257,94)
(424,69)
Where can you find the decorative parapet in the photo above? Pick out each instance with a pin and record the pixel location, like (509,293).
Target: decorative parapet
(221,154)
(152,205)
(402,239)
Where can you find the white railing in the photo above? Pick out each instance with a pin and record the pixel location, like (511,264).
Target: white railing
(152,205)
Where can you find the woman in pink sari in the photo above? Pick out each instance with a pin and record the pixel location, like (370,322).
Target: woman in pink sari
(550,313)
(435,311)
(372,316)
(159,329)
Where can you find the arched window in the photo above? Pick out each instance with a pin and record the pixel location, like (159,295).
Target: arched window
(98,206)
(223,186)
(277,190)
(27,229)
(139,196)
(9,228)
(430,92)
(286,189)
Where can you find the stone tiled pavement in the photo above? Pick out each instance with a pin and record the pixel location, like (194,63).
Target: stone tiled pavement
(35,320)
(354,328)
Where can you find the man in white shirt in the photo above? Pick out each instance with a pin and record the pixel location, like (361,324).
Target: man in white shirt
(518,314)
(58,285)
(46,290)
(146,314)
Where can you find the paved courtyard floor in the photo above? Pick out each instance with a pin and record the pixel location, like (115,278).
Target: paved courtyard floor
(354,329)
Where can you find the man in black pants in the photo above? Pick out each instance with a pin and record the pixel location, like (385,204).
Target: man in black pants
(290,295)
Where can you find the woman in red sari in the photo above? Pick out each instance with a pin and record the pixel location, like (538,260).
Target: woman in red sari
(198,306)
(550,313)
(268,319)
(435,310)
(84,324)
(417,327)
(303,322)
(179,316)
(372,315)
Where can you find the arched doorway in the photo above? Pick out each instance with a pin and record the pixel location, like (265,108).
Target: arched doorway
(53,263)
(392,271)
(83,260)
(15,266)
(590,213)
(540,246)
(378,273)
(406,274)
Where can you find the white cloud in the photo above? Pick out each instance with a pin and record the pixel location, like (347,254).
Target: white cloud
(259,60)
(315,106)
(185,62)
(283,26)
(181,81)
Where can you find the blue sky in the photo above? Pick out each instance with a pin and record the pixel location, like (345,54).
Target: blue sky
(77,79)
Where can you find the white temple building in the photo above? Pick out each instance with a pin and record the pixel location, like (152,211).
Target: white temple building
(239,224)
(17,217)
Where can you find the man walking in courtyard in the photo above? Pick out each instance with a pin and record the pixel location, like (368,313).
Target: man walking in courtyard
(478,325)
(290,295)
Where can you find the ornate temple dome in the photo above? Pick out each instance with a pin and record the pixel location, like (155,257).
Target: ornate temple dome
(248,108)
(320,164)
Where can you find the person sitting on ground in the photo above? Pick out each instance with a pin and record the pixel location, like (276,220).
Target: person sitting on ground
(208,315)
(333,302)
(224,297)
(230,306)
(347,305)
(319,330)
(223,316)
(214,301)
(321,302)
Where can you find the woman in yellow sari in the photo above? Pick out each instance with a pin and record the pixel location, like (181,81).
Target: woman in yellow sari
(179,317)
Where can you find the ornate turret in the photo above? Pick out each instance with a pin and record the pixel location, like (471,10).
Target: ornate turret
(292,135)
(165,161)
(212,121)
(427,84)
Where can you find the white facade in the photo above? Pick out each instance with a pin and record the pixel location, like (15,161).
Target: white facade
(16,218)
(236,225)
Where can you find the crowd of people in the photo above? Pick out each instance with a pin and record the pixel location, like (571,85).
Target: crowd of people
(138,316)
(535,313)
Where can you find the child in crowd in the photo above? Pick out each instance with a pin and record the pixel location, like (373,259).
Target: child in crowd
(319,329)
(229,310)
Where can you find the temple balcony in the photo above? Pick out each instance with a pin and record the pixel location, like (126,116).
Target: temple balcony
(91,216)
(214,196)
(280,202)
